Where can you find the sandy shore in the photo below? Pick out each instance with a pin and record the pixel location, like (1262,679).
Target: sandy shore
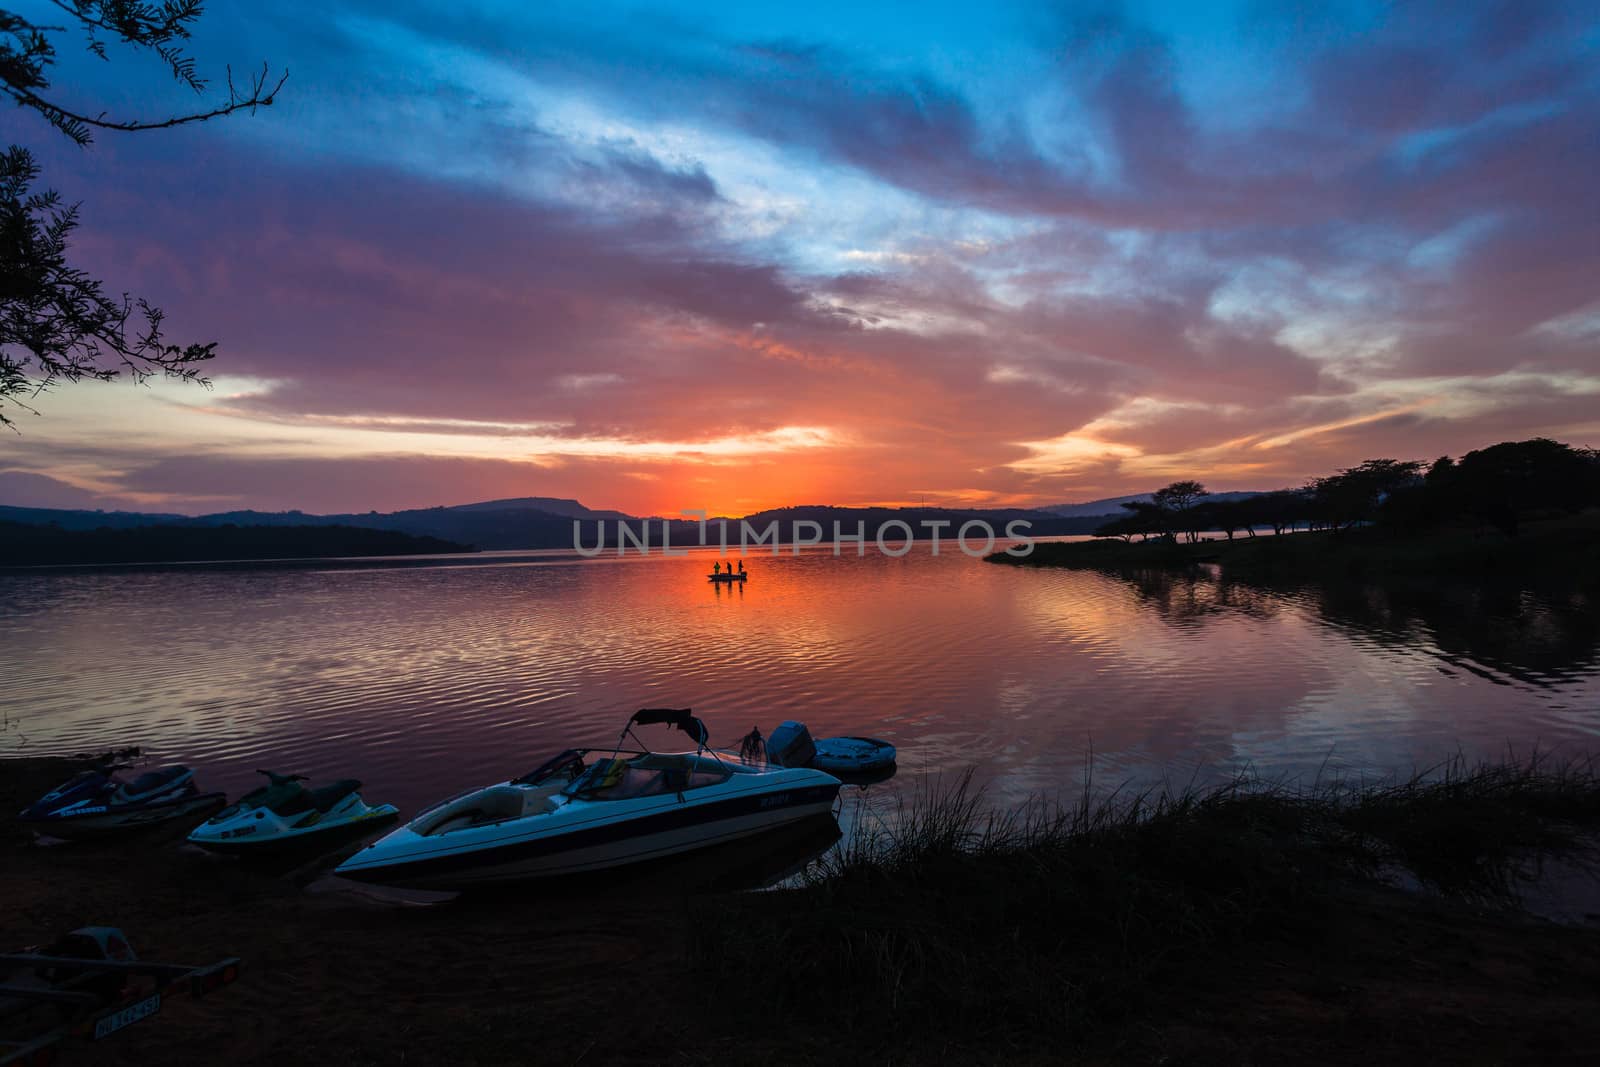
(604,975)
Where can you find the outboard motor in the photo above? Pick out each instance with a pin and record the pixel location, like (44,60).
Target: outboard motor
(790,745)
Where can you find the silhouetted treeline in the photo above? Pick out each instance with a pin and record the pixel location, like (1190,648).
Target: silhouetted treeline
(23,545)
(1499,486)
(544,522)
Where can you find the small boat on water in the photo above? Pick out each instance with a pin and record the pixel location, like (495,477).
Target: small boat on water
(847,757)
(98,803)
(728,576)
(853,755)
(284,817)
(569,815)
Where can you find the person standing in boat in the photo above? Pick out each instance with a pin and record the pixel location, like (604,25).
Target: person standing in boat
(741,566)
(716,568)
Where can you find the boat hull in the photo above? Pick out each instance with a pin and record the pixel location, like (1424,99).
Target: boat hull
(586,847)
(301,842)
(114,820)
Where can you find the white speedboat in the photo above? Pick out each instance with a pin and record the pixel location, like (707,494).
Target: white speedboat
(570,815)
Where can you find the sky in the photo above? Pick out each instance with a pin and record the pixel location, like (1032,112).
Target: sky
(671,256)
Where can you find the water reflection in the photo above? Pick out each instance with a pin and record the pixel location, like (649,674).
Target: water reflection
(1504,632)
(730,589)
(426,680)
(1190,598)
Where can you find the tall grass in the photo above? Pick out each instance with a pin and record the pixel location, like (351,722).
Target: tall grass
(1047,917)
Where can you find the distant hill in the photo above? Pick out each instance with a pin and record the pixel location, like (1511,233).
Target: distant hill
(870,520)
(492,524)
(1108,506)
(24,545)
(550,505)
(547,522)
(1112,505)
(70,519)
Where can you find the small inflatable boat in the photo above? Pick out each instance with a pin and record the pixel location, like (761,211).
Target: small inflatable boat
(284,817)
(97,803)
(853,755)
(791,746)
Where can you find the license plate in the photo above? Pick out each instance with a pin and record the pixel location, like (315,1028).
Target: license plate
(110,1024)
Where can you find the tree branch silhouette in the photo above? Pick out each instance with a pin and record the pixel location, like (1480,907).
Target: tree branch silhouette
(56,322)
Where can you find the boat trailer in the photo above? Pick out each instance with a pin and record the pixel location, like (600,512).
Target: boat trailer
(89,984)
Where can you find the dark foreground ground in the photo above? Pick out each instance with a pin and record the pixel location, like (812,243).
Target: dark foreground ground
(645,974)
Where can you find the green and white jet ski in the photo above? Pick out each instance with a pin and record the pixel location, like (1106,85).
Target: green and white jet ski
(284,817)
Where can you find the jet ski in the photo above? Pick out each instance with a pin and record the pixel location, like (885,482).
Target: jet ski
(284,816)
(97,803)
(570,815)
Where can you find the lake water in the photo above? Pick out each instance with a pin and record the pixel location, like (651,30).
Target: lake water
(424,680)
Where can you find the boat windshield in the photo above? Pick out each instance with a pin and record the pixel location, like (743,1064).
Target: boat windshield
(651,774)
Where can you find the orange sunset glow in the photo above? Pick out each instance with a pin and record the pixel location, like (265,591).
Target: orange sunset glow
(1078,260)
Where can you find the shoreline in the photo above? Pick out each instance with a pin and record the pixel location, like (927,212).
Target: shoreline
(36,548)
(1209,927)
(1567,549)
(475,558)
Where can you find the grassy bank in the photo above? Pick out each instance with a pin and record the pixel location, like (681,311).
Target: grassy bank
(1250,923)
(1565,549)
(1062,926)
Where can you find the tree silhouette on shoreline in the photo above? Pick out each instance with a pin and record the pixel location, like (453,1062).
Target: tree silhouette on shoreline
(1497,486)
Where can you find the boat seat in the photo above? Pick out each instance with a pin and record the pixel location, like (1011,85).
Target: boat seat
(151,782)
(492,805)
(458,822)
(278,798)
(327,796)
(644,782)
(633,783)
(700,779)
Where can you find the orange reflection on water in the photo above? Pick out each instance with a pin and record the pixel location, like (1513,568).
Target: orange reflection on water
(425,680)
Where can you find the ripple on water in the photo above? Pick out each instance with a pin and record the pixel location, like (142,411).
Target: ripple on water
(426,680)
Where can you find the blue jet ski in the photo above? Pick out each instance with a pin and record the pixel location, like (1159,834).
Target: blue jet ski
(98,803)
